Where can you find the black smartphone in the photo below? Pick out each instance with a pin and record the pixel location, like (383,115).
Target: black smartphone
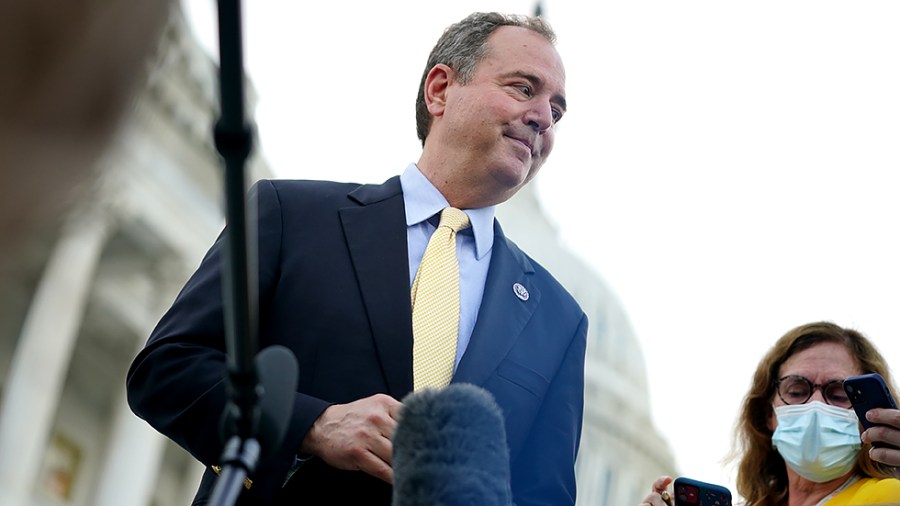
(690,492)
(866,392)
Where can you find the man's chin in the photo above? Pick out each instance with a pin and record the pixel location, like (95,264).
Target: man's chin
(512,181)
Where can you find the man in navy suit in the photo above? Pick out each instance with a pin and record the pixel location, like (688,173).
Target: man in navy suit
(336,263)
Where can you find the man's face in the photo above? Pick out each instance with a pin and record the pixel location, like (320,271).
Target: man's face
(500,124)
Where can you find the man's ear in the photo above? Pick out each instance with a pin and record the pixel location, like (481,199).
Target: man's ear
(437,82)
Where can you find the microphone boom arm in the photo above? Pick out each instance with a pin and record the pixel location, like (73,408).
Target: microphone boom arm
(233,139)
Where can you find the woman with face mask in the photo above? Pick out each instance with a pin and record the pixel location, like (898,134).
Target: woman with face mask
(799,439)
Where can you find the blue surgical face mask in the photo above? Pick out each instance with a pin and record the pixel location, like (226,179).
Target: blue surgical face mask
(819,442)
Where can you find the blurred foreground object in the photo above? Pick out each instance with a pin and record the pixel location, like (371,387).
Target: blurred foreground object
(67,72)
(450,449)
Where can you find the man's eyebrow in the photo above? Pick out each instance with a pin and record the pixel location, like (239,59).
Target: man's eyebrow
(561,100)
(537,82)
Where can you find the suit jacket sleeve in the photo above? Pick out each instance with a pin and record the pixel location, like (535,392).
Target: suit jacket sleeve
(176,382)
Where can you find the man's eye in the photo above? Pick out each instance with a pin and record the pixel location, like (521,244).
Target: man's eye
(526,90)
(557,114)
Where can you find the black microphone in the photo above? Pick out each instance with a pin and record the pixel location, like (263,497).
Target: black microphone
(276,387)
(278,371)
(450,449)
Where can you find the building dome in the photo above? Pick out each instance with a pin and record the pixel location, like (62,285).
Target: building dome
(621,451)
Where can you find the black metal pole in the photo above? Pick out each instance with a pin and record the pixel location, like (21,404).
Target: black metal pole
(233,139)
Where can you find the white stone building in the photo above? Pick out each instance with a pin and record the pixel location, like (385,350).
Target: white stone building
(78,310)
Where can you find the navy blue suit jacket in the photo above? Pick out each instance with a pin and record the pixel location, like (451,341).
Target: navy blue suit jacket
(334,288)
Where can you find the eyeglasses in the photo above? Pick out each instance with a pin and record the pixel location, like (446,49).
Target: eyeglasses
(798,390)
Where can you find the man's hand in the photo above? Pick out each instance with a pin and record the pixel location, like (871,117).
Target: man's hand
(356,436)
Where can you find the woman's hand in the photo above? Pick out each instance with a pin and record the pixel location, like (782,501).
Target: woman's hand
(660,495)
(887,431)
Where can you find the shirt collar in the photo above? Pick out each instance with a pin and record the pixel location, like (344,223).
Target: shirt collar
(422,201)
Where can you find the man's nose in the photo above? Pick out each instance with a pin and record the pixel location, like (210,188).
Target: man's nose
(540,117)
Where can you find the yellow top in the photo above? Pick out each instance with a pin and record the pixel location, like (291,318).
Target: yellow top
(868,492)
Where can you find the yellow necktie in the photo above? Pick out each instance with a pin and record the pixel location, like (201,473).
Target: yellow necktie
(435,302)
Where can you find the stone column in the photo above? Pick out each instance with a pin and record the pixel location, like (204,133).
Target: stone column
(133,458)
(41,359)
(135,452)
(190,482)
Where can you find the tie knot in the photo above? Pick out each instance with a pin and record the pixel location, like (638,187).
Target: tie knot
(453,218)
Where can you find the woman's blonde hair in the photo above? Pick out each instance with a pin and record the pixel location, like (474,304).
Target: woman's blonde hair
(762,476)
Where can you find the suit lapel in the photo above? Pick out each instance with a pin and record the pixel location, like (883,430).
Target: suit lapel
(376,237)
(503,314)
